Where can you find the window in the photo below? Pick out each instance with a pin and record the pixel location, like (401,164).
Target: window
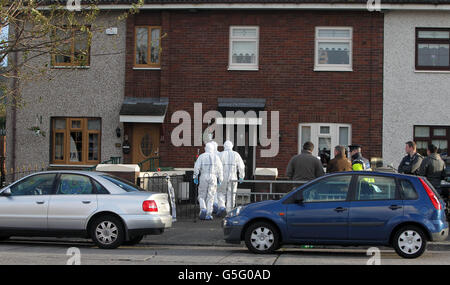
(99,188)
(148,46)
(244,44)
(76,140)
(437,135)
(125,185)
(409,193)
(325,137)
(328,190)
(74,47)
(41,184)
(333,49)
(72,184)
(375,188)
(432,49)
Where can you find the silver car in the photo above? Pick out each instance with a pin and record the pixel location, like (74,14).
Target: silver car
(94,205)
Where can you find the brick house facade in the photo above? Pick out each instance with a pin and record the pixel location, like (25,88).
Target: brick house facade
(194,69)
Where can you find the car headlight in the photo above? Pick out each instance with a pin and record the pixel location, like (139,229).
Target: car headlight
(235,212)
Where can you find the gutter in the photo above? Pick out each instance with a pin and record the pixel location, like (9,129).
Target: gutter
(271,6)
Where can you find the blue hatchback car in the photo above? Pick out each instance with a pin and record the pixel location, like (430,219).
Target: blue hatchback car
(347,208)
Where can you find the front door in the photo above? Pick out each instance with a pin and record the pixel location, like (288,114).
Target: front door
(244,142)
(145,146)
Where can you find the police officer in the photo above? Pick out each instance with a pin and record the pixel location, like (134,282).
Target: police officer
(359,163)
(410,164)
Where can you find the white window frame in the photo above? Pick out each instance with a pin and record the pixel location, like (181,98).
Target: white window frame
(243,66)
(333,67)
(315,135)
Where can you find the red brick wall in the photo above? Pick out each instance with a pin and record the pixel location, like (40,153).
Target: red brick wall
(140,83)
(194,69)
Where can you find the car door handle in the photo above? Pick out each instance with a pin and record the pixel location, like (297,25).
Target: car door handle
(86,202)
(340,209)
(395,207)
(40,202)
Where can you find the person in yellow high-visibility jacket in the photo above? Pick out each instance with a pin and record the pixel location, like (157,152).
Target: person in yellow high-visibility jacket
(359,163)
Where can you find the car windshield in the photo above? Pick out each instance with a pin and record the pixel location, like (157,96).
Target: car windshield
(125,185)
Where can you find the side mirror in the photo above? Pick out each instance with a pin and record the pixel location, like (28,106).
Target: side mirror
(298,198)
(6,193)
(448,179)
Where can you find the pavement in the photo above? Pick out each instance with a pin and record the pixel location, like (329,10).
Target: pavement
(210,233)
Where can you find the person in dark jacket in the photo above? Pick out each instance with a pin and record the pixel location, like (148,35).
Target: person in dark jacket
(410,164)
(433,167)
(340,162)
(305,166)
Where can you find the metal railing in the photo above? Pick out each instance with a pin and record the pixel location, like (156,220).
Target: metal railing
(250,191)
(186,191)
(12,175)
(111,160)
(154,164)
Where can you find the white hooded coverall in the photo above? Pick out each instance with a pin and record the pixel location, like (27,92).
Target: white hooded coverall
(209,167)
(232,162)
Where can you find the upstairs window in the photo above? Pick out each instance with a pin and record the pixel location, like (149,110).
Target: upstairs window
(147,47)
(73,48)
(333,49)
(244,42)
(432,49)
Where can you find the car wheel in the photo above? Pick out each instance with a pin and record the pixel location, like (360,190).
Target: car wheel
(410,242)
(262,237)
(133,240)
(107,232)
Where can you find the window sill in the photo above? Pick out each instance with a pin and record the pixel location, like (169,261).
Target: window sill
(432,71)
(146,68)
(338,69)
(235,68)
(71,67)
(72,165)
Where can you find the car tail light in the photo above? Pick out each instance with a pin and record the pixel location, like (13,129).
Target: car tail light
(149,206)
(434,199)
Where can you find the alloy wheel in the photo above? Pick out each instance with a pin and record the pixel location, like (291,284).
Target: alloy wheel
(106,232)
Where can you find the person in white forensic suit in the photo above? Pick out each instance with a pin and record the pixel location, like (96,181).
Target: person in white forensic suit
(232,163)
(216,203)
(209,167)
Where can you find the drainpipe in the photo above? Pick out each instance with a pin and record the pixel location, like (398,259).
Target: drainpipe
(15,91)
